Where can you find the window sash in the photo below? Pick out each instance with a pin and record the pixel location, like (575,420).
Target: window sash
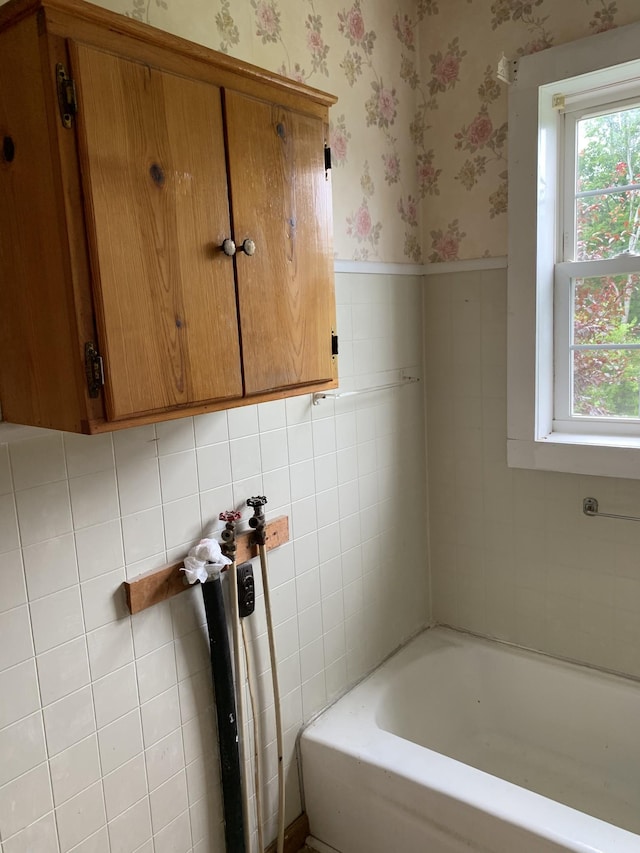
(566,274)
(568,148)
(567,270)
(592,71)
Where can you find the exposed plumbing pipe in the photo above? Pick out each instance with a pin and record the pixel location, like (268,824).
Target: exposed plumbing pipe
(257,737)
(228,537)
(257,522)
(203,564)
(226,713)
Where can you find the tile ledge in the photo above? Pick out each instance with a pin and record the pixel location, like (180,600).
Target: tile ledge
(383,268)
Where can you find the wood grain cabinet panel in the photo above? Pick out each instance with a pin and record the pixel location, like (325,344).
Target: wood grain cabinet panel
(152,155)
(131,156)
(278,191)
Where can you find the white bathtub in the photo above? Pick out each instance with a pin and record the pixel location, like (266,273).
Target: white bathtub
(461,744)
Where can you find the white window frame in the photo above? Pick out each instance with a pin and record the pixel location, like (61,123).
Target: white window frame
(580,70)
(606,99)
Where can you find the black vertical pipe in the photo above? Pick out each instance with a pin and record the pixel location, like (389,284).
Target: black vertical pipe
(226,713)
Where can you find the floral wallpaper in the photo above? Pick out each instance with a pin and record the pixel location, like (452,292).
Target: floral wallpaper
(464,213)
(419,133)
(382,167)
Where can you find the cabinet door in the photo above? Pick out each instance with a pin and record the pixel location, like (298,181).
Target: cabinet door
(153,169)
(281,200)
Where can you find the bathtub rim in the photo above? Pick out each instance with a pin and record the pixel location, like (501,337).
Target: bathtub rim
(464,632)
(577,842)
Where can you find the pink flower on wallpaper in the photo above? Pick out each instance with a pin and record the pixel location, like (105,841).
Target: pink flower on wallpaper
(339,147)
(480,133)
(381,106)
(315,42)
(447,69)
(480,130)
(351,25)
(391,168)
(426,174)
(362,222)
(404,30)
(446,247)
(361,226)
(267,20)
(387,104)
(339,137)
(355,23)
(446,244)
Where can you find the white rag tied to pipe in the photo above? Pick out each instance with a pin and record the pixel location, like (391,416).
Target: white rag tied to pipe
(205,560)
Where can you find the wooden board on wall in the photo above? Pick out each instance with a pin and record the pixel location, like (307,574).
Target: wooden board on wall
(160,584)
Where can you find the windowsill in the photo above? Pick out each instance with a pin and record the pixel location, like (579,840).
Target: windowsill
(592,440)
(571,453)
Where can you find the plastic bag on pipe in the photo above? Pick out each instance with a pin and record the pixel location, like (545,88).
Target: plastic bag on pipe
(205,560)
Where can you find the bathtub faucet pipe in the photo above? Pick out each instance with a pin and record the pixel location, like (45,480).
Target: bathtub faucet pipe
(228,536)
(257,523)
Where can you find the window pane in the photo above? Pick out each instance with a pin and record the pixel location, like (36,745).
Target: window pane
(608,156)
(605,383)
(606,309)
(606,225)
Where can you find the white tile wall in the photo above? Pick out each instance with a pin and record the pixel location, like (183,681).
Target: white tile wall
(125,786)
(107,730)
(75,769)
(63,670)
(512,554)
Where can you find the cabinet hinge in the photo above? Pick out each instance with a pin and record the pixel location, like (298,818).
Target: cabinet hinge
(327,158)
(334,344)
(94,369)
(67,100)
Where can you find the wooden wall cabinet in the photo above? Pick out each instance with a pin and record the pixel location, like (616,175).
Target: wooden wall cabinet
(127,158)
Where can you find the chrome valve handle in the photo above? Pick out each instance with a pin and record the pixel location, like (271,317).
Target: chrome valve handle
(248,247)
(228,247)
